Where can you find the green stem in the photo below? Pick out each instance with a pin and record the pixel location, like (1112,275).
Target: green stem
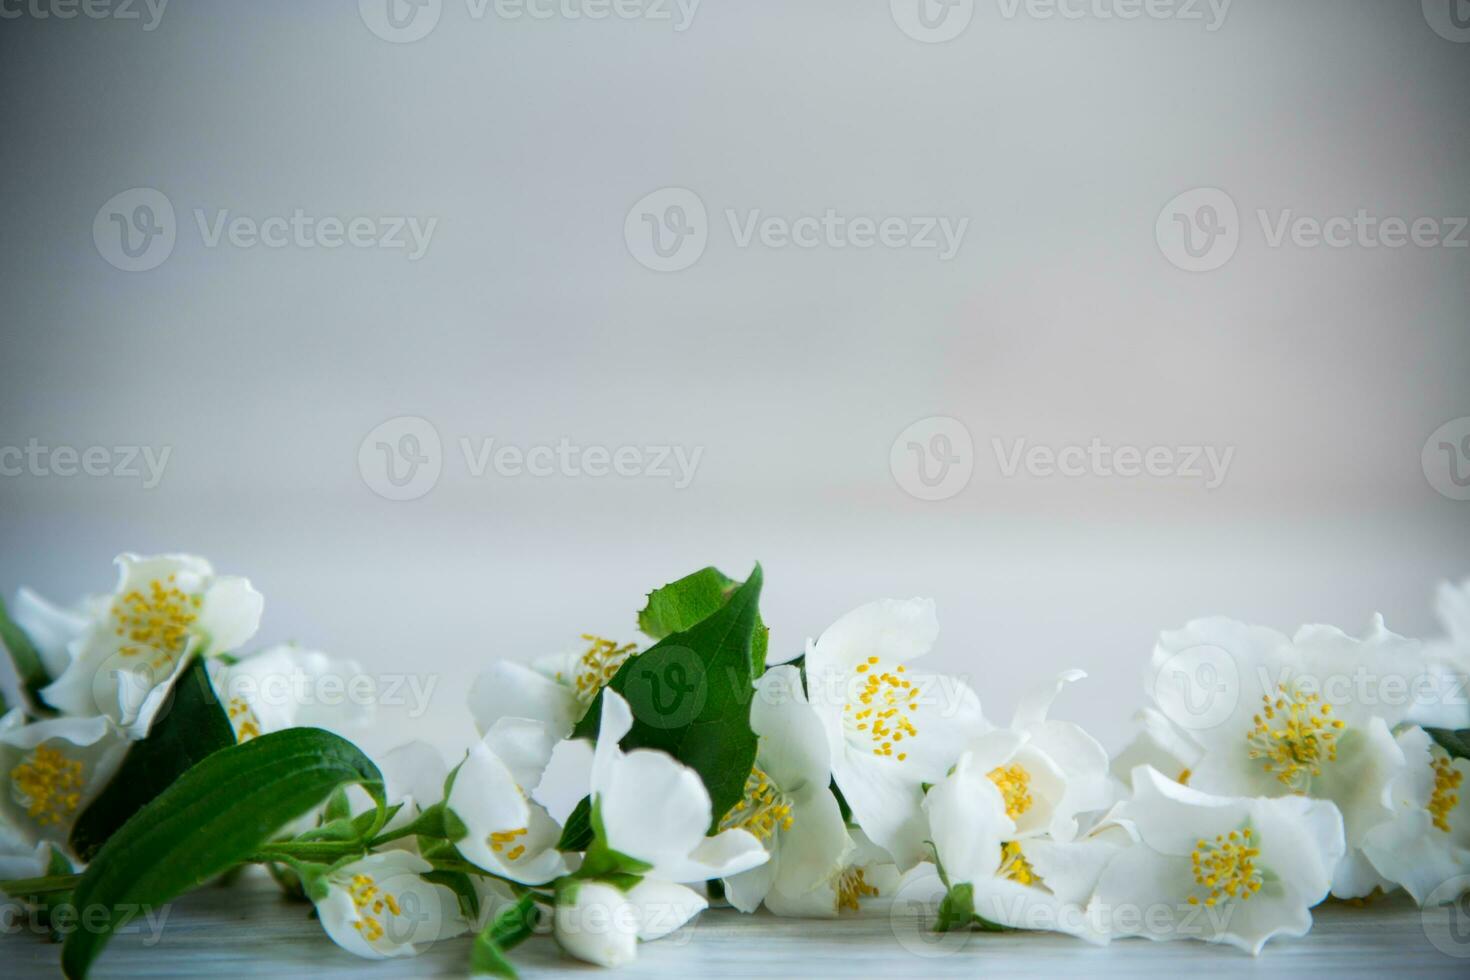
(40,886)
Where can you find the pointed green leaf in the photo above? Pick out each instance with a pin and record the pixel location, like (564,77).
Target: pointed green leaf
(679,605)
(508,929)
(690,696)
(1456,743)
(213,817)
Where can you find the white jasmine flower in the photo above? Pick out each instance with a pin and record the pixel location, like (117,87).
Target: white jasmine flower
(889,730)
(555,691)
(656,811)
(1308,716)
(866,871)
(52,628)
(381,906)
(599,923)
(1004,822)
(166,610)
(788,804)
(287,686)
(1220,869)
(51,771)
(1428,841)
(1452,603)
(510,834)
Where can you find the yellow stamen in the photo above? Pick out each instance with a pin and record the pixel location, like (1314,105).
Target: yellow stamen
(1014,783)
(883,706)
(48,784)
(373,905)
(156,620)
(763,810)
(1447,780)
(599,663)
(1226,867)
(245,720)
(1015,867)
(501,839)
(852,888)
(1294,736)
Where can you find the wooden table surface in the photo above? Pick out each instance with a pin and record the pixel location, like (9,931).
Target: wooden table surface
(249,930)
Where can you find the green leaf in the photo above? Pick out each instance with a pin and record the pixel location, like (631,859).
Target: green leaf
(213,817)
(188,729)
(694,598)
(577,833)
(508,929)
(27,659)
(690,696)
(1456,743)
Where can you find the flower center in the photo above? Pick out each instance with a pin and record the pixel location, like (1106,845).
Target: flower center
(880,716)
(371,902)
(48,785)
(763,810)
(1226,866)
(598,665)
(1446,781)
(501,839)
(1294,736)
(1014,783)
(852,888)
(1014,866)
(157,619)
(243,717)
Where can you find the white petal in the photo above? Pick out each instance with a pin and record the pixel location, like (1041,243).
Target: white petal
(230,614)
(1033,707)
(414,771)
(511,690)
(599,925)
(968,823)
(894,630)
(615,722)
(663,907)
(815,847)
(721,856)
(50,627)
(652,808)
(885,798)
(793,747)
(523,745)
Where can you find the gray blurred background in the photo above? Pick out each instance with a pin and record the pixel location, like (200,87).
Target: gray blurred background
(531,318)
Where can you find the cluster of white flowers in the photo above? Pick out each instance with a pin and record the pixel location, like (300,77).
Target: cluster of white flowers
(1269,772)
(113,661)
